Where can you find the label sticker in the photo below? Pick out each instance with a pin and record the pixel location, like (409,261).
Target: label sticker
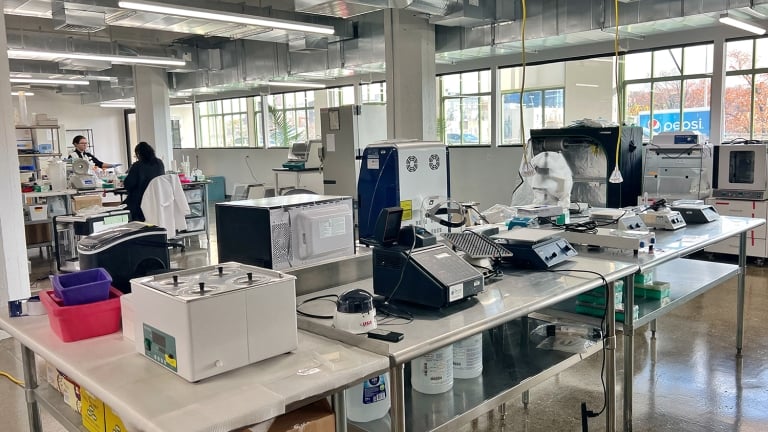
(407,207)
(373,163)
(455,292)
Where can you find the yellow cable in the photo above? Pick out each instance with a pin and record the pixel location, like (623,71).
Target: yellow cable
(12,379)
(618,82)
(522,86)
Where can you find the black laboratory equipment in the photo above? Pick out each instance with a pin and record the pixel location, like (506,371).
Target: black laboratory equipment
(126,252)
(414,268)
(591,154)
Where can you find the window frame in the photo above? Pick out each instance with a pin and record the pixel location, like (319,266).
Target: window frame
(218,118)
(540,90)
(461,95)
(752,74)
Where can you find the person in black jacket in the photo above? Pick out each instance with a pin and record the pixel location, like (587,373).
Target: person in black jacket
(147,167)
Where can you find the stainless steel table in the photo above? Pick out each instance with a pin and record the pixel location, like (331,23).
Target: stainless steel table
(151,399)
(516,295)
(688,278)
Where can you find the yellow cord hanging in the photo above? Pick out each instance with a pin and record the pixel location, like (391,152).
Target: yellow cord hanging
(12,379)
(618,81)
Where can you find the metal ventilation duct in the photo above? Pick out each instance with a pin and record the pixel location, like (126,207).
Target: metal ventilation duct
(67,18)
(308,44)
(467,13)
(350,8)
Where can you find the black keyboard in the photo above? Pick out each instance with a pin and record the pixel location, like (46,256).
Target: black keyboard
(476,245)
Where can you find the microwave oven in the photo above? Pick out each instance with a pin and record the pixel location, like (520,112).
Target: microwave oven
(741,170)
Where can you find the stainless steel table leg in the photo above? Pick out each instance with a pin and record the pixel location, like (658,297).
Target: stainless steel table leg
(340,411)
(629,348)
(397,385)
(30,384)
(526,398)
(653,329)
(610,359)
(740,293)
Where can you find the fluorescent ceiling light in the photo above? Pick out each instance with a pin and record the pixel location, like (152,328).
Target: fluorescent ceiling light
(25,93)
(207,14)
(116,105)
(294,84)
(119,59)
(586,85)
(47,81)
(743,25)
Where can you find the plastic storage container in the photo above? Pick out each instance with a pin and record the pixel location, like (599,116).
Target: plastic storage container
(195,224)
(73,323)
(369,400)
(433,373)
(193,195)
(82,287)
(468,357)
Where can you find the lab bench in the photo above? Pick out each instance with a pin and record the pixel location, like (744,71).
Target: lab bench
(149,398)
(515,296)
(688,279)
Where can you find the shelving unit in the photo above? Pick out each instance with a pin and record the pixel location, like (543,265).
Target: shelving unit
(33,143)
(197,221)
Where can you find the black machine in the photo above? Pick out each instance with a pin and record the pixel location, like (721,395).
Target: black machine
(577,146)
(415,269)
(126,252)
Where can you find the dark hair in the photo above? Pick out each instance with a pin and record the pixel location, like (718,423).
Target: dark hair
(76,140)
(145,152)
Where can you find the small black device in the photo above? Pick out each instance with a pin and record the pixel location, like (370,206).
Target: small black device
(416,236)
(533,248)
(385,335)
(387,230)
(696,213)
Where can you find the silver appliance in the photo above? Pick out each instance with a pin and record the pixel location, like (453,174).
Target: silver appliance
(81,177)
(346,131)
(304,156)
(741,170)
(677,165)
(205,321)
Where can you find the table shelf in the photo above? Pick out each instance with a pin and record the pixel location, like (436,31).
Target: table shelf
(54,403)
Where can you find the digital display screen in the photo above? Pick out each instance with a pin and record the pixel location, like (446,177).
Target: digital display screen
(158,339)
(119,219)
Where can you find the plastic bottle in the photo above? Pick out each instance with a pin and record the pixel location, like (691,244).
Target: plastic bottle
(468,357)
(433,373)
(368,400)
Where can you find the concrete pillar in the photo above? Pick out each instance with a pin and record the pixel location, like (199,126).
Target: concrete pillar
(14,276)
(153,114)
(717,97)
(410,62)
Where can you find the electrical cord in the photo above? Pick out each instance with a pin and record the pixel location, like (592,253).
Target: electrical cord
(313,299)
(602,328)
(525,142)
(482,217)
(12,379)
(618,81)
(405,265)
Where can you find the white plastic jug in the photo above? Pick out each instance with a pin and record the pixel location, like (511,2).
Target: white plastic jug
(468,357)
(368,400)
(57,174)
(433,373)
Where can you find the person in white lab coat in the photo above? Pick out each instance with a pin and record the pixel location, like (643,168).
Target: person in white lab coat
(146,168)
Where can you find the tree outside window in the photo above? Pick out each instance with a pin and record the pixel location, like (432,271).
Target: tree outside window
(746,90)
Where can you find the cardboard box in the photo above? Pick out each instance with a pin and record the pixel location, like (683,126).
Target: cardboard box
(71,392)
(113,422)
(92,412)
(317,417)
(83,201)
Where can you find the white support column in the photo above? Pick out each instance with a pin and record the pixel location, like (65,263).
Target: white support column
(14,276)
(410,58)
(717,97)
(153,114)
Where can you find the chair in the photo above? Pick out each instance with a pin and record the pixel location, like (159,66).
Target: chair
(164,204)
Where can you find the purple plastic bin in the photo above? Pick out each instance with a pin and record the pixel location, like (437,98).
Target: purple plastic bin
(82,287)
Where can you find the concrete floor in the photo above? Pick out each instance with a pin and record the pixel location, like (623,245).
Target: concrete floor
(687,379)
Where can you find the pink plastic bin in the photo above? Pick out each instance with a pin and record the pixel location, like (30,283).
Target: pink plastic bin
(73,323)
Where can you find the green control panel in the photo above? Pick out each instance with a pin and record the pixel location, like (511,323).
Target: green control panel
(160,347)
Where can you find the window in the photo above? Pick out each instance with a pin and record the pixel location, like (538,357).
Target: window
(341,96)
(258,120)
(373,93)
(291,118)
(542,107)
(223,123)
(183,126)
(669,89)
(465,108)
(746,87)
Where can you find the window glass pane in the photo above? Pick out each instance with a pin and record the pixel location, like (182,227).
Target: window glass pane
(202,108)
(698,59)
(312,132)
(309,96)
(737,109)
(301,99)
(760,124)
(738,55)
(229,130)
(289,100)
(470,83)
(204,138)
(258,125)
(257,103)
(348,95)
(485,81)
(484,126)
(637,66)
(451,84)
(668,62)
(554,105)
(696,102)
(638,110)
(452,116)
(510,113)
(761,53)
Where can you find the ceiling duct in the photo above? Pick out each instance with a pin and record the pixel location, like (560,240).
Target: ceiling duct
(467,13)
(350,8)
(67,18)
(308,44)
(85,65)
